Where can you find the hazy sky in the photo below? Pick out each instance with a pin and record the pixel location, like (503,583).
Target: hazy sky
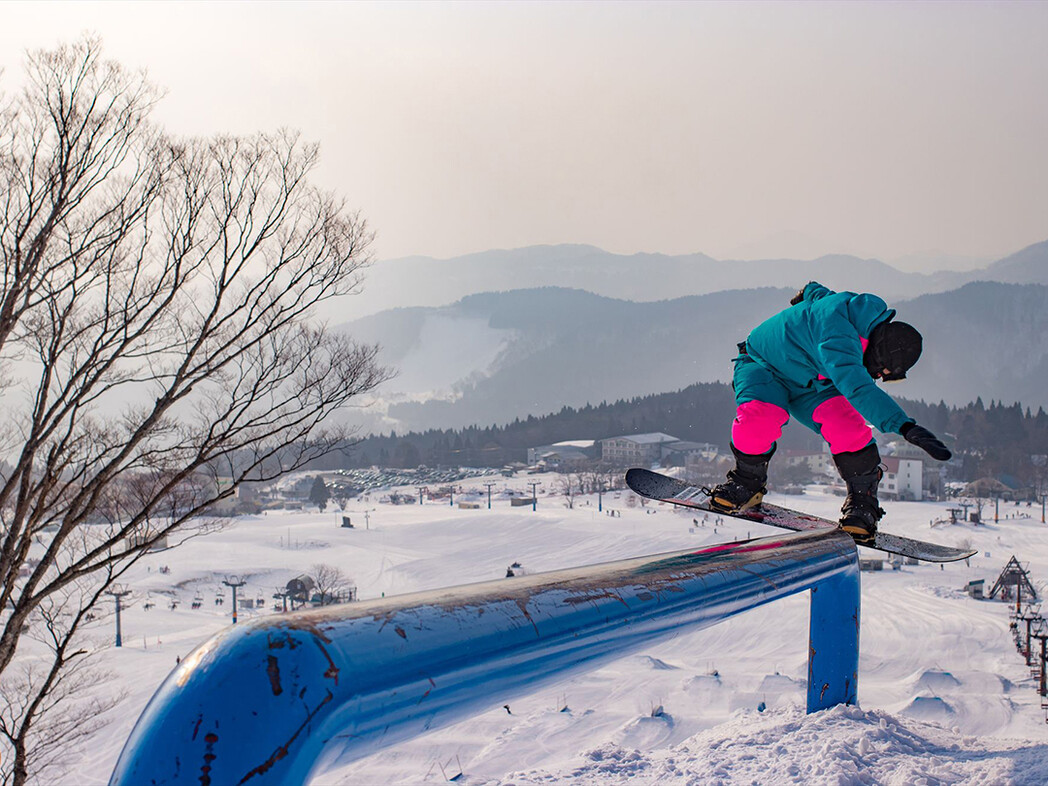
(883,129)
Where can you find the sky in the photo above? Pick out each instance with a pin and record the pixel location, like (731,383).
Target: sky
(910,132)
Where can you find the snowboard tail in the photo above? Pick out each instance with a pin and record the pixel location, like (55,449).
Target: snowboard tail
(663,488)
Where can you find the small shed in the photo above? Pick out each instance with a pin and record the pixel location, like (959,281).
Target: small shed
(300,588)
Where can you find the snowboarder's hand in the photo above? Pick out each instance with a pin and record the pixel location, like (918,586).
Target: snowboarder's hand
(926,441)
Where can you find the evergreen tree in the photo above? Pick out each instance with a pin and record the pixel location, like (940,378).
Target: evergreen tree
(319,493)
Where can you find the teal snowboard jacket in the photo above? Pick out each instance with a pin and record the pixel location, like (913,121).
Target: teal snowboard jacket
(819,342)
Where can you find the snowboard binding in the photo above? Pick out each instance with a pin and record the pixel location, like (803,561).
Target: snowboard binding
(745,486)
(860,512)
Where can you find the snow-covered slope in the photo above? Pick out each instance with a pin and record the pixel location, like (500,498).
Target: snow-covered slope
(843,745)
(944,696)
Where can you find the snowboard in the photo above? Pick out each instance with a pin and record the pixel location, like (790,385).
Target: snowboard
(666,489)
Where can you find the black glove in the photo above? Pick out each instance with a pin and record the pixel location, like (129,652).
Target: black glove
(926,441)
(799,296)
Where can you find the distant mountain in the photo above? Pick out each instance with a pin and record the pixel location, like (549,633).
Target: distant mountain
(1029,266)
(985,339)
(423,281)
(492,357)
(495,356)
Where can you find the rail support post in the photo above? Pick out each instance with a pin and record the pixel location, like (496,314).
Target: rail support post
(833,643)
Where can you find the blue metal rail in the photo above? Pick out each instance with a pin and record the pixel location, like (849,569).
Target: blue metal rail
(284,698)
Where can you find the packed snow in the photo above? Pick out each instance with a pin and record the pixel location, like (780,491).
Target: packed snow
(944,696)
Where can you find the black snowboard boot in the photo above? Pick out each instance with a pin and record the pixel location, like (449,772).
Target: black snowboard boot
(745,486)
(861,472)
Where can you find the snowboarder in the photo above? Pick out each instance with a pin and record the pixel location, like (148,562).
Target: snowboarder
(819,360)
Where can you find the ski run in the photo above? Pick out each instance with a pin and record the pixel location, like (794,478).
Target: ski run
(944,696)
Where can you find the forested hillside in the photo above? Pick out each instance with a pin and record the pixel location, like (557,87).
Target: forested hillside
(1000,440)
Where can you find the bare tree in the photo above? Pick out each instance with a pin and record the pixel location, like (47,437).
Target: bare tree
(156,309)
(601,479)
(706,471)
(570,487)
(970,502)
(340,494)
(52,703)
(609,478)
(782,474)
(329,582)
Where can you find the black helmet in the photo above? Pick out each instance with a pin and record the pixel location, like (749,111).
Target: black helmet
(894,346)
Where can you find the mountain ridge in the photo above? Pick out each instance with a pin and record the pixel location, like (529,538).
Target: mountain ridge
(501,355)
(648,276)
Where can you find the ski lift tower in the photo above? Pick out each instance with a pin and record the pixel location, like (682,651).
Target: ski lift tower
(235,582)
(118,591)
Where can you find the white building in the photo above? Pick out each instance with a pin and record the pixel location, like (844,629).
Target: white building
(681,453)
(635,448)
(818,462)
(559,454)
(902,479)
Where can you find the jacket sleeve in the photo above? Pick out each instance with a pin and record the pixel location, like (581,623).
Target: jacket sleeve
(840,356)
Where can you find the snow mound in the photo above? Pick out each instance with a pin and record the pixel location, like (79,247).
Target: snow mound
(778,683)
(645,732)
(654,663)
(929,708)
(703,682)
(842,745)
(937,681)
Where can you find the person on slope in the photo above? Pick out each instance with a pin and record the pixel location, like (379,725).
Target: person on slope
(818,361)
